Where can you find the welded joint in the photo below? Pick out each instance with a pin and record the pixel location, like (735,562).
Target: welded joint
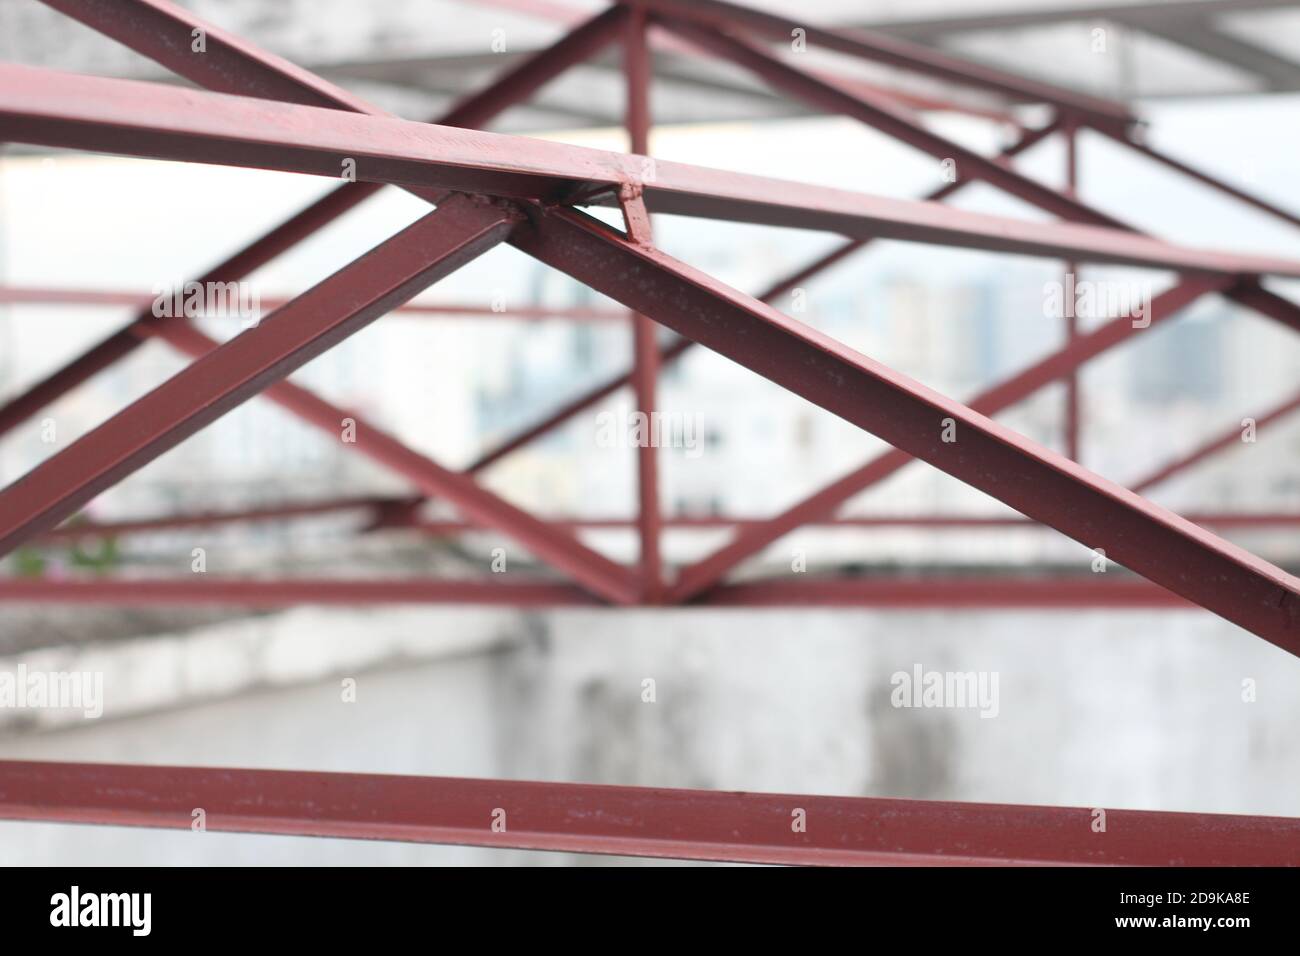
(635,217)
(512,210)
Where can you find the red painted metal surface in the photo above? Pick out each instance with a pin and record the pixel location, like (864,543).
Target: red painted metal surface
(403,513)
(976,591)
(42,295)
(635,821)
(637,69)
(45,107)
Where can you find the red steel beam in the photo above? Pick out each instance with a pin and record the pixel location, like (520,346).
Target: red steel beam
(39,295)
(156,29)
(1214,519)
(1201,177)
(1227,439)
(893,52)
(493,590)
(1254,296)
(152,120)
(401,514)
(889,120)
(1072,391)
(637,71)
(973,592)
(634,821)
(822,504)
(99,529)
(168,39)
(1040,484)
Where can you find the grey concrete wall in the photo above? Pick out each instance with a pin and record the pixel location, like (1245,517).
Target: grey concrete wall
(1096,709)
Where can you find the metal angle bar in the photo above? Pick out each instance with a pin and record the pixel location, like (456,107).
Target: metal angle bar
(633,821)
(40,295)
(400,513)
(105,529)
(152,120)
(1226,440)
(161,31)
(1040,484)
(261,593)
(1243,519)
(1202,177)
(637,69)
(822,504)
(974,592)
(1252,295)
(894,52)
(1072,382)
(475,110)
(344,303)
(1201,35)
(967,592)
(889,120)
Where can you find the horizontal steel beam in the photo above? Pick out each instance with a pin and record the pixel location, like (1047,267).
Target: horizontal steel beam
(972,592)
(163,122)
(40,296)
(208,590)
(634,821)
(81,530)
(879,48)
(402,513)
(1035,481)
(1217,519)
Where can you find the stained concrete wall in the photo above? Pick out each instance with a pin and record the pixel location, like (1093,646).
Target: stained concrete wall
(1095,709)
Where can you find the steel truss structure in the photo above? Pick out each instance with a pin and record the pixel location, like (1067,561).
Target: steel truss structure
(257,110)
